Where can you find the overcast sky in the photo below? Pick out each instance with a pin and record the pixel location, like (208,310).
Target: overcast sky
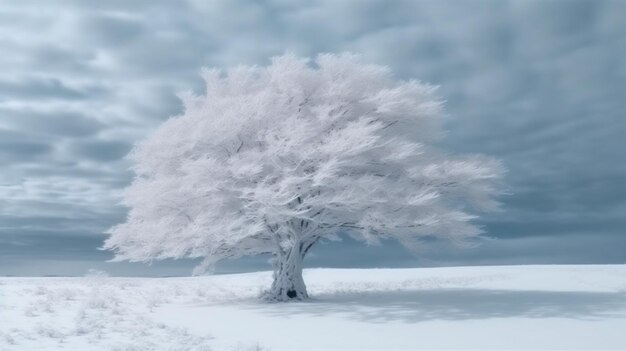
(540,85)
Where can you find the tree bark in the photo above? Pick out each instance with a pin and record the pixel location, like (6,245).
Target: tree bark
(288,283)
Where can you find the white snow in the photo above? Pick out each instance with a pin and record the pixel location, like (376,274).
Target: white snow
(497,307)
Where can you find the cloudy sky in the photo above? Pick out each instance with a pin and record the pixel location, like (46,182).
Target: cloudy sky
(539,84)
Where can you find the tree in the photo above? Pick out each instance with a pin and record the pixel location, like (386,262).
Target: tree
(271,160)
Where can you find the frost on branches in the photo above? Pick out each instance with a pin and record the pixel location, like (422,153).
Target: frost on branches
(271,160)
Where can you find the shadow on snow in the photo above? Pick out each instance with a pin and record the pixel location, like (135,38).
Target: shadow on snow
(454,304)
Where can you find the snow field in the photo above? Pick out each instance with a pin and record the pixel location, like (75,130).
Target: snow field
(500,307)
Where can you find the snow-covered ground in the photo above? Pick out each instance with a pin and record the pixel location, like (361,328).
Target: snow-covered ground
(506,307)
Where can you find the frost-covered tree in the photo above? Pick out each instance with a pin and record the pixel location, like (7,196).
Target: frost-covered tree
(271,160)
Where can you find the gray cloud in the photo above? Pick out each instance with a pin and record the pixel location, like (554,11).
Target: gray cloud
(538,84)
(37,89)
(50,123)
(17,147)
(22,149)
(102,150)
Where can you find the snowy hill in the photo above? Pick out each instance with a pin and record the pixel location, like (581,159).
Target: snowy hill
(505,307)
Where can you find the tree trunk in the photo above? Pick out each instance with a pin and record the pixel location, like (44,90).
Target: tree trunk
(288,283)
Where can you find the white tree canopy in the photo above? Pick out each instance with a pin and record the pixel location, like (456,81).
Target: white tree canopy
(272,159)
